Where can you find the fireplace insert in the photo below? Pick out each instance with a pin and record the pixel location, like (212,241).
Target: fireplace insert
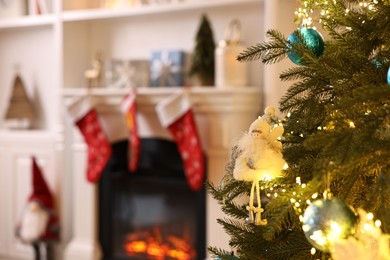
(151,213)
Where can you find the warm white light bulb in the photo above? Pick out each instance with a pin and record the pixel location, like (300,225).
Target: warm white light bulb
(367,227)
(378,223)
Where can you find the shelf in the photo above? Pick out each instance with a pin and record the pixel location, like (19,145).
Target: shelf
(202,98)
(107,92)
(11,134)
(27,21)
(95,14)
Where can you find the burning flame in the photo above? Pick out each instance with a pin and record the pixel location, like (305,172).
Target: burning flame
(153,246)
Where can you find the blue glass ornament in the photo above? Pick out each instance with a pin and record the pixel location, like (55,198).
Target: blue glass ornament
(326,221)
(388,76)
(311,38)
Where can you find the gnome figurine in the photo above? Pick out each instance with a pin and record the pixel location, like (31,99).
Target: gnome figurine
(260,159)
(39,223)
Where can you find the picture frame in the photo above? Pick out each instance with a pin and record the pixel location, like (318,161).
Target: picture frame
(122,73)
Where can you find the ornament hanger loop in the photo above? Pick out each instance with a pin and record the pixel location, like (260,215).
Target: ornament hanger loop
(327,193)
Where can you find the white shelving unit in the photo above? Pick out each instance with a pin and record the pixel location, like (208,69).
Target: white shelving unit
(54,50)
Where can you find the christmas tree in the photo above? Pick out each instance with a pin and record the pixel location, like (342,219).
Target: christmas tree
(202,64)
(333,200)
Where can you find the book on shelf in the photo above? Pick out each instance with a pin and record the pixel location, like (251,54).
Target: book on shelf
(39,7)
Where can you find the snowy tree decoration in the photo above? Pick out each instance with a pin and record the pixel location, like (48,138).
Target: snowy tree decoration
(259,158)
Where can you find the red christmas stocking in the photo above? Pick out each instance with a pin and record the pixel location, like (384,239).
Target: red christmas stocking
(128,107)
(175,113)
(99,148)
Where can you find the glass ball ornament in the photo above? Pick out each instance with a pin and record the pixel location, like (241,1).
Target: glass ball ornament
(388,76)
(311,38)
(326,221)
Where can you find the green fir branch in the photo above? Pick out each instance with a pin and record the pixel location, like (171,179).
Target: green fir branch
(235,227)
(269,52)
(217,252)
(295,246)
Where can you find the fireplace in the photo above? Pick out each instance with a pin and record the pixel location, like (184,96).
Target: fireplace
(152,213)
(221,116)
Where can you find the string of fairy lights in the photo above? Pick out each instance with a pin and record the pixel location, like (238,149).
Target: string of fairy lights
(301,197)
(304,14)
(300,203)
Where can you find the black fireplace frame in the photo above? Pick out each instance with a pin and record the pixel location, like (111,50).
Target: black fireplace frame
(151,159)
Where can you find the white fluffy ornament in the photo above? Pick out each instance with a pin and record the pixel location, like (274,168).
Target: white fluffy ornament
(260,158)
(368,244)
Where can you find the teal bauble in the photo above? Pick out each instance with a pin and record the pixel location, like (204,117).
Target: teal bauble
(388,76)
(311,38)
(326,221)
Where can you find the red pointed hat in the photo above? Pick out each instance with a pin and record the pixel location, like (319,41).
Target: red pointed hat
(41,192)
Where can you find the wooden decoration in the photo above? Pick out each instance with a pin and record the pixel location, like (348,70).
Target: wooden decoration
(94,75)
(20,108)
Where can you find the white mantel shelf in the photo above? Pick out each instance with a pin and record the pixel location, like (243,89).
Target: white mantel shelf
(159,91)
(202,98)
